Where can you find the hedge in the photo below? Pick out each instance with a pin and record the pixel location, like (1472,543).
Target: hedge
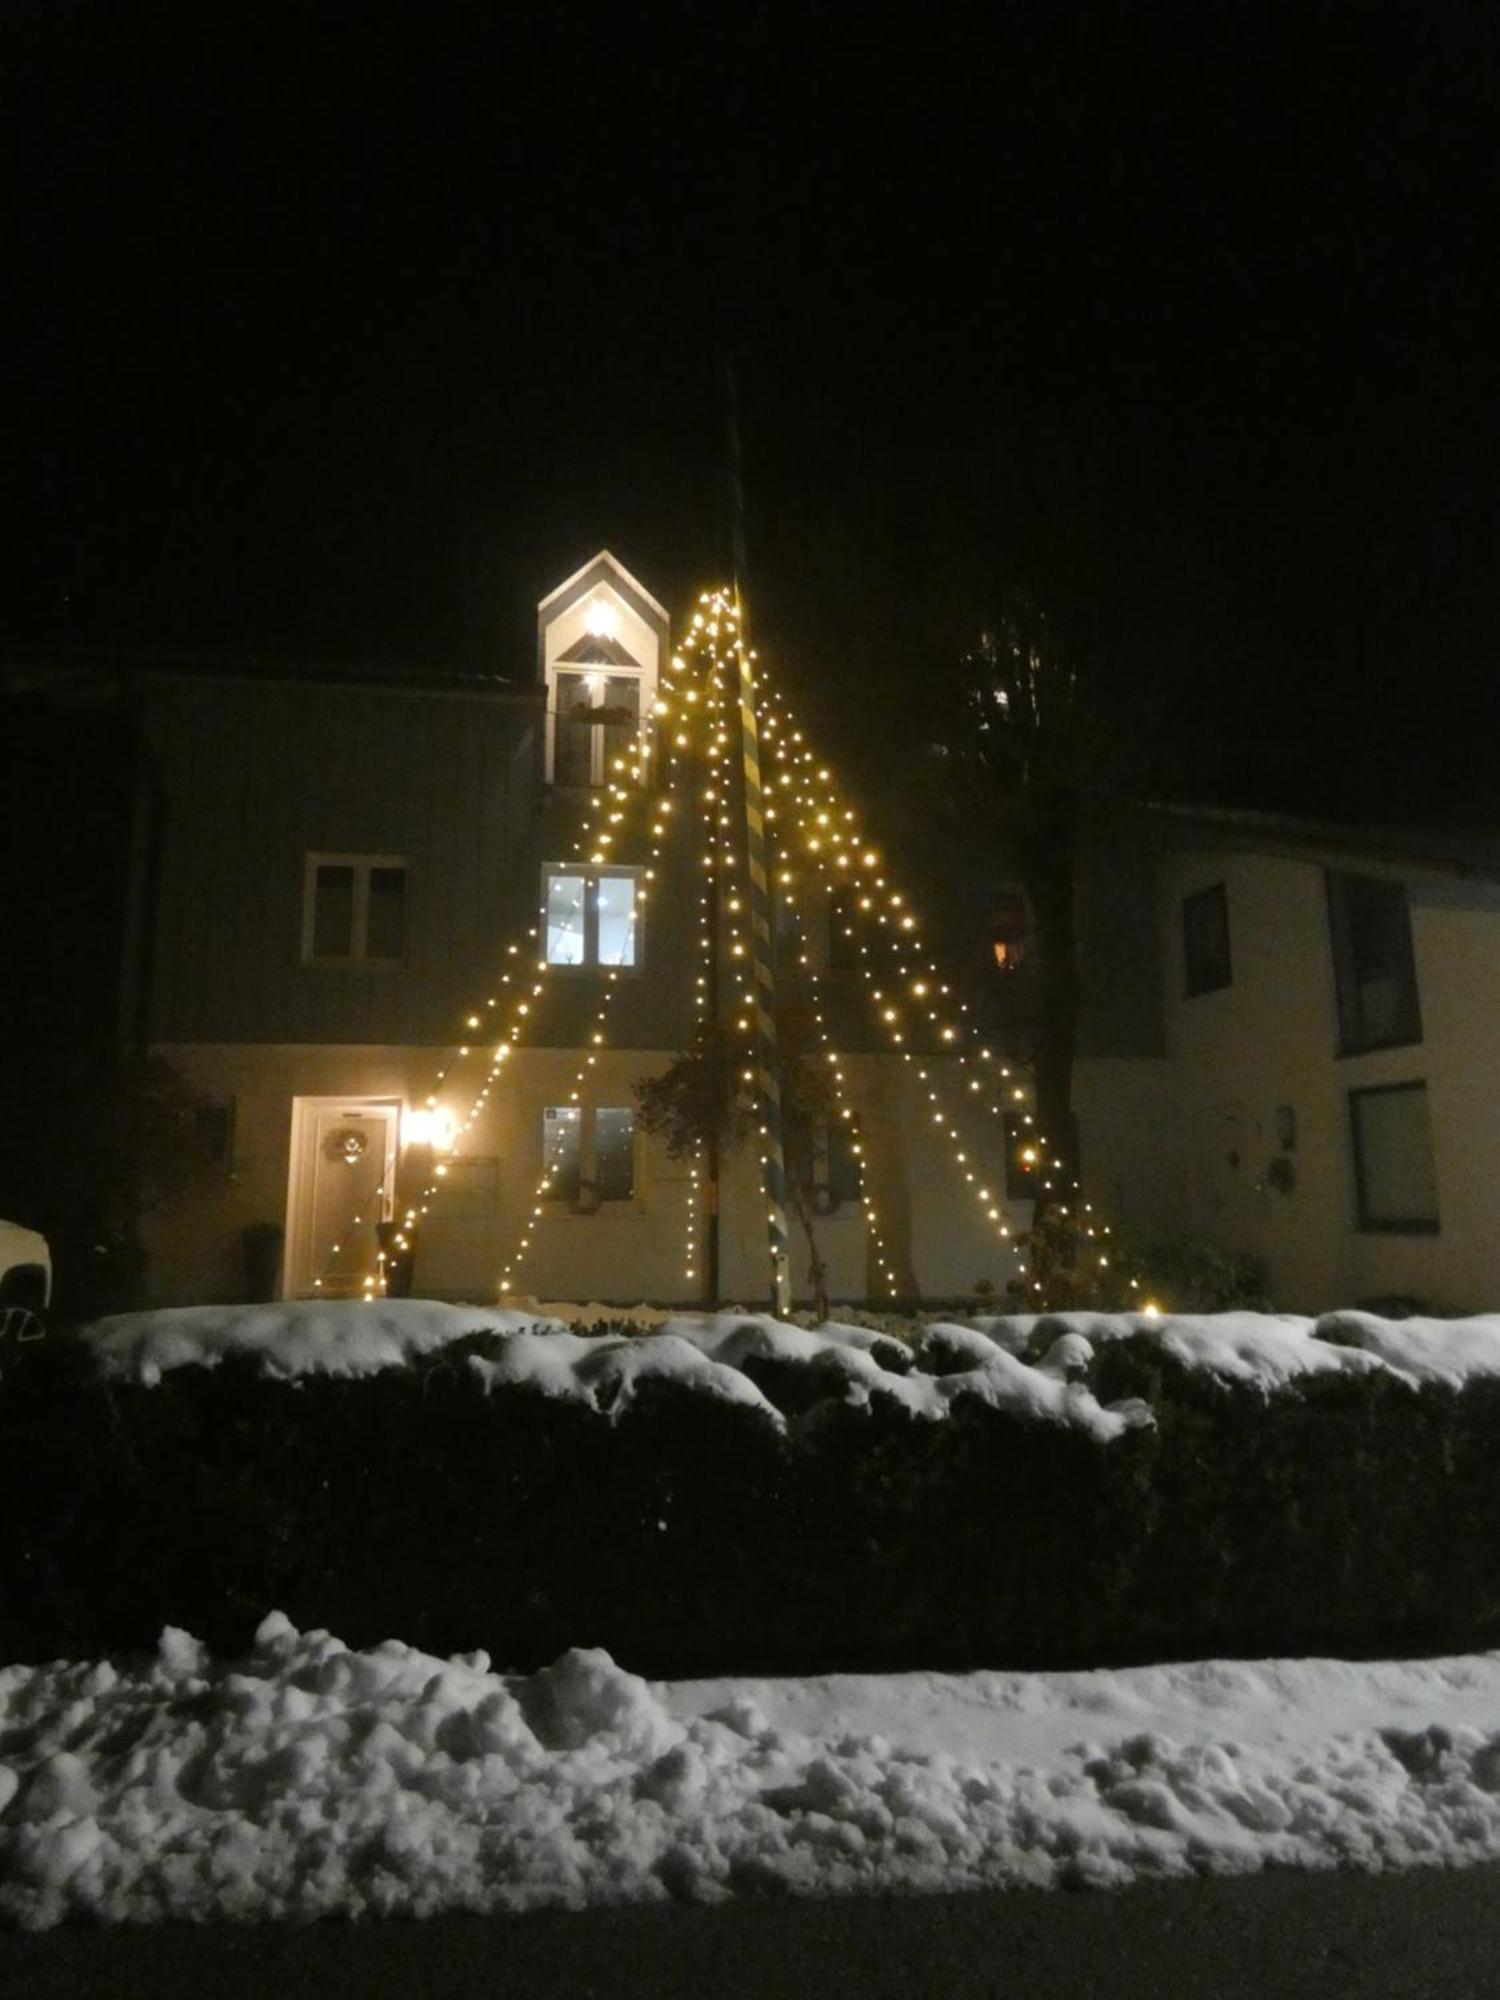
(1349,1514)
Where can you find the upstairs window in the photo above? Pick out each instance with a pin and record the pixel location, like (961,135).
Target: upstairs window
(354,909)
(598,717)
(1205,941)
(1374,970)
(590,916)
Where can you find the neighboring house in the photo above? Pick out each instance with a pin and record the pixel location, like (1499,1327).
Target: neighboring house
(337,872)
(1289,1047)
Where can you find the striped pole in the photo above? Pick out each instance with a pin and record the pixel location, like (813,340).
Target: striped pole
(767,1059)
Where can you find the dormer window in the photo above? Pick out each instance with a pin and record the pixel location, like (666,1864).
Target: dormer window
(598,719)
(602,639)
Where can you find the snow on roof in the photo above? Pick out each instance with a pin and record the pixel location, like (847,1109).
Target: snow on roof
(309,1781)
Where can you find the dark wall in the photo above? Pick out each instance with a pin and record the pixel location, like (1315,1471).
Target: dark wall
(71,769)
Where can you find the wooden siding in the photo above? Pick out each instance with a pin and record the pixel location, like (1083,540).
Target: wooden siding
(255,776)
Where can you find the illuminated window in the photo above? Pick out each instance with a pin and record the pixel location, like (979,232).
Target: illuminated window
(591,916)
(589,1154)
(354,909)
(1395,1181)
(1205,941)
(1008,939)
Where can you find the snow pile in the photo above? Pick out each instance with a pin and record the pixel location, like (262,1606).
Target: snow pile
(606,1374)
(708,1352)
(1033,1365)
(298,1337)
(711,1354)
(1450,1351)
(313,1781)
(1268,1351)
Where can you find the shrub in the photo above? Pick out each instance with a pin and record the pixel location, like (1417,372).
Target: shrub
(1347,1514)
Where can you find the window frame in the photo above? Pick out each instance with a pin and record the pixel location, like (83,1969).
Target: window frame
(588,1160)
(596,680)
(1345,985)
(364,866)
(592,873)
(1366,1224)
(1194,986)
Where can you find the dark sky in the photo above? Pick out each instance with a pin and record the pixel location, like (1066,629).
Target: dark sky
(350,335)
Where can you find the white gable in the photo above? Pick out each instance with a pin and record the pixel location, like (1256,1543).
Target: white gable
(603,623)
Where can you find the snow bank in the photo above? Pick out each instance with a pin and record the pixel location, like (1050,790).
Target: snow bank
(1034,1365)
(708,1352)
(1451,1351)
(703,1352)
(299,1337)
(309,1781)
(1269,1350)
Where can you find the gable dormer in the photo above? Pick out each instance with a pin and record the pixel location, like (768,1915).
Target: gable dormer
(602,640)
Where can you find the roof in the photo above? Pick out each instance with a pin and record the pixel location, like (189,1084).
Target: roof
(600,568)
(597,649)
(21,663)
(1446,851)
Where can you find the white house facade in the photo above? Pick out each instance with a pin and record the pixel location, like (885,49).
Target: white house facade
(1321,1087)
(415,938)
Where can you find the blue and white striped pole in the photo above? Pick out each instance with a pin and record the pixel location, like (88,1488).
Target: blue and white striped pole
(767,1056)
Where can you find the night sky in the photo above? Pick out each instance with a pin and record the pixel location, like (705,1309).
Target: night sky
(333,338)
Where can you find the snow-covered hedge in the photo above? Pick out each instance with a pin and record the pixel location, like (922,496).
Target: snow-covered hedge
(735,1493)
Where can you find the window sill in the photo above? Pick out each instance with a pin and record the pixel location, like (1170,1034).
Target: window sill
(568,971)
(354,964)
(608,1211)
(1375,1048)
(1398,1229)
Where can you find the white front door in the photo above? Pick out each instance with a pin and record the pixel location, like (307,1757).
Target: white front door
(342,1183)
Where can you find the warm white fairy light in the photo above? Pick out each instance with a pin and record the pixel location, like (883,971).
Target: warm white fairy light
(821,807)
(844,1103)
(663,823)
(817,809)
(372,1284)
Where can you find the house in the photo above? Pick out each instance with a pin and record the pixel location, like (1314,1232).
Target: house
(412,936)
(1289,1049)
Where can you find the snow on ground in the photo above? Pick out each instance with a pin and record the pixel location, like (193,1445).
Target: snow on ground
(308,1780)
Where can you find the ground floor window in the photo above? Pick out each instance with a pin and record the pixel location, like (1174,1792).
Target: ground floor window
(588,1154)
(829,1163)
(1395,1180)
